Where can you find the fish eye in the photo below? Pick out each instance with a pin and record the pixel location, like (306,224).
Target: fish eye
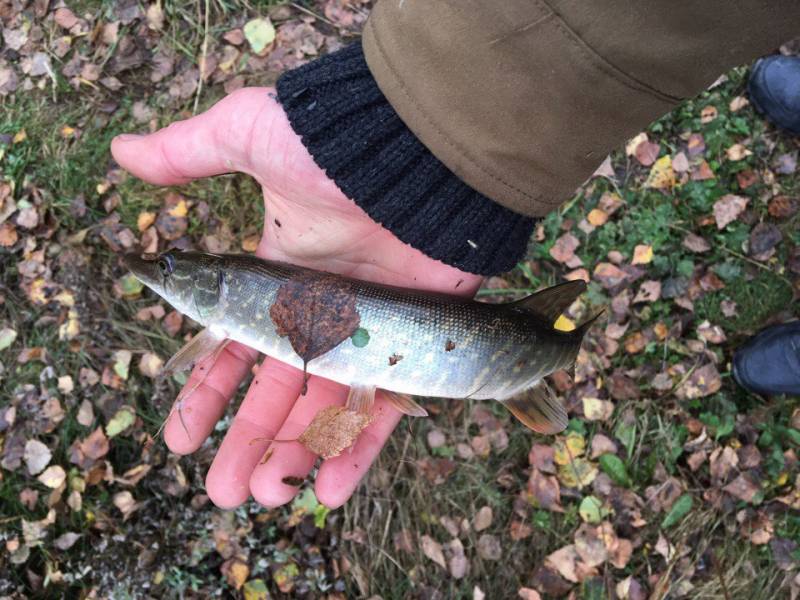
(166,264)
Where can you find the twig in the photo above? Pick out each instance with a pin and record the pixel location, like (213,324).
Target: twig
(302,8)
(203,56)
(717,568)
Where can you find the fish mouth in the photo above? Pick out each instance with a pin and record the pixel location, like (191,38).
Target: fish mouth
(144,267)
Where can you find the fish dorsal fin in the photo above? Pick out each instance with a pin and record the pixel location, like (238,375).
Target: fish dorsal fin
(539,409)
(551,302)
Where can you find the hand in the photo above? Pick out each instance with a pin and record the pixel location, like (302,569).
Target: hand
(308,222)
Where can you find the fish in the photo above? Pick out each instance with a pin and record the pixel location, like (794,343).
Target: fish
(408,343)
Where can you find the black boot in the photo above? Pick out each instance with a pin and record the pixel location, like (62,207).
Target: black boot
(774,90)
(769,363)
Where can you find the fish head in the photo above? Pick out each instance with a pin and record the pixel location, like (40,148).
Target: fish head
(192,282)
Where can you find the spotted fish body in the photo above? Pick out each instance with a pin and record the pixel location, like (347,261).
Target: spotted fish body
(417,343)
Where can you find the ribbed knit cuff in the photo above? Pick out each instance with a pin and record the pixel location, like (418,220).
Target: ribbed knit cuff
(354,134)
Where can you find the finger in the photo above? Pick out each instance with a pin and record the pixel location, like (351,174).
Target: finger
(266,405)
(201,409)
(214,142)
(291,459)
(338,477)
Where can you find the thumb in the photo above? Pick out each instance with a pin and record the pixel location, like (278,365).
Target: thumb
(212,143)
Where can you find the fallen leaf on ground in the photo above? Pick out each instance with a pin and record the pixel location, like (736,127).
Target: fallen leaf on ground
(482,519)
(695,243)
(37,456)
(333,429)
(564,248)
(642,254)
(433,550)
(728,208)
(662,176)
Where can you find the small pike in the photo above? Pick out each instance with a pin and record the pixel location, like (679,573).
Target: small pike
(406,342)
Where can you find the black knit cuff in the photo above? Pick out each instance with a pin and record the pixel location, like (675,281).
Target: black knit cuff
(354,134)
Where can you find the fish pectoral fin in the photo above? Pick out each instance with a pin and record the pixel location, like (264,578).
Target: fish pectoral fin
(551,302)
(405,404)
(360,398)
(200,347)
(539,409)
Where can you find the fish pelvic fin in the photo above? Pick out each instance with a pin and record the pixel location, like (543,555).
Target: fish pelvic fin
(405,404)
(201,346)
(549,303)
(539,409)
(360,398)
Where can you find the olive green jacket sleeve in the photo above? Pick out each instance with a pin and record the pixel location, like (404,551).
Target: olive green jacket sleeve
(522,99)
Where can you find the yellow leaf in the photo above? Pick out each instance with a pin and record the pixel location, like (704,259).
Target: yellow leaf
(53,476)
(578,473)
(65,298)
(642,254)
(633,143)
(37,291)
(256,589)
(71,328)
(662,176)
(20,136)
(145,219)
(180,209)
(569,448)
(737,152)
(597,410)
(597,217)
(67,131)
(564,324)
(237,573)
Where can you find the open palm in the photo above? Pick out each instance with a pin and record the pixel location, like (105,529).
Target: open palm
(308,222)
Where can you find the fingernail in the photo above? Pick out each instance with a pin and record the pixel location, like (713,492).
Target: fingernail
(128,137)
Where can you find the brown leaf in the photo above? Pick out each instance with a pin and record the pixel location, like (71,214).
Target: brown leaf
(702,382)
(456,559)
(696,144)
(649,291)
(541,457)
(489,547)
(172,221)
(712,334)
(564,248)
(763,239)
(95,445)
(433,550)
(172,322)
(695,243)
(708,114)
(737,152)
(680,163)
(728,208)
(746,178)
(635,342)
(702,171)
(333,429)
(8,234)
(317,311)
(545,490)
(528,594)
(609,275)
(647,153)
(563,561)
(782,207)
(482,519)
(743,488)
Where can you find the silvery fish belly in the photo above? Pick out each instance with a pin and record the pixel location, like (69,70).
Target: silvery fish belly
(407,342)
